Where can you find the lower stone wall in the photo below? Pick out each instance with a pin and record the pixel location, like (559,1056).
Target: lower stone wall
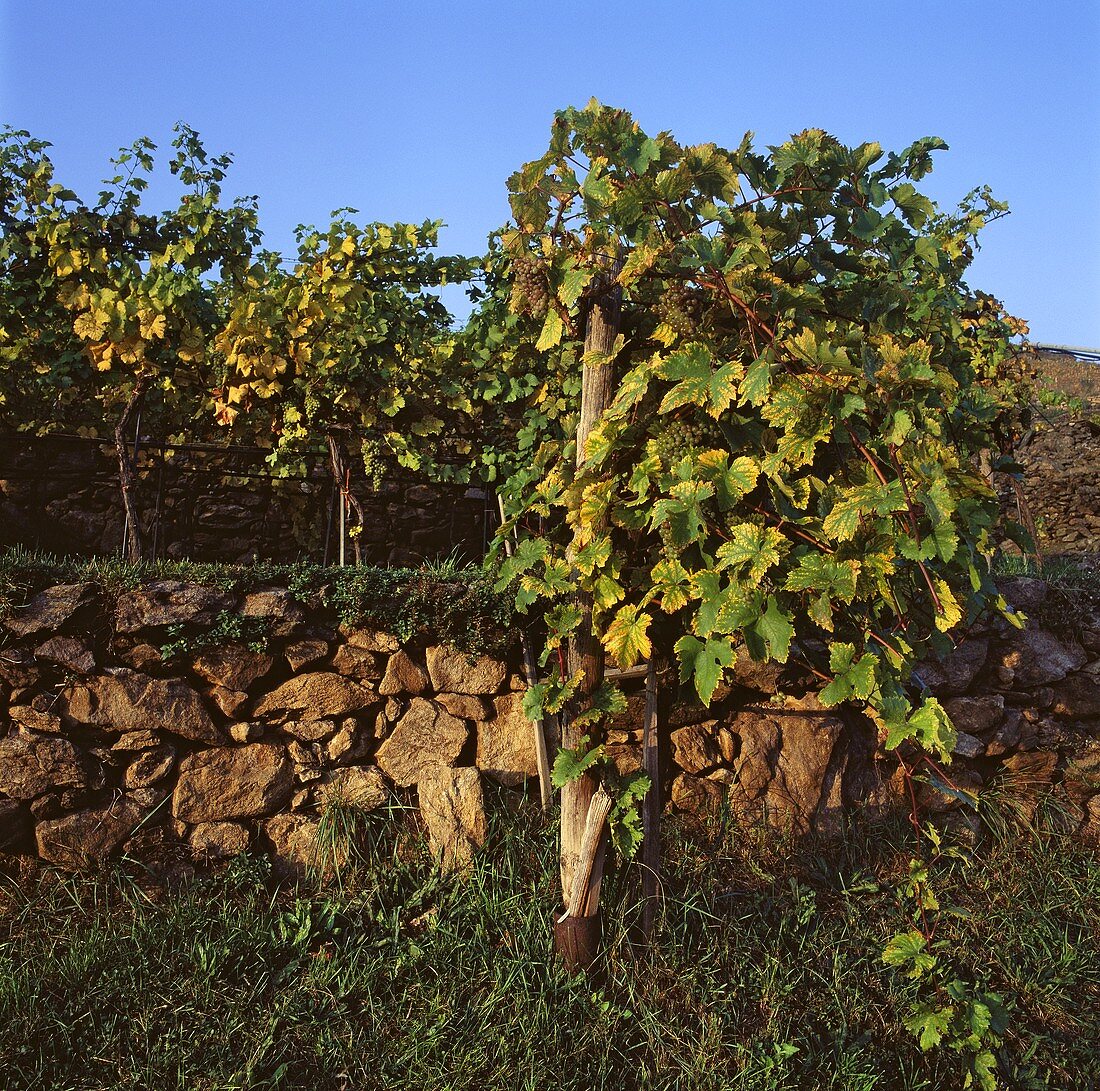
(122,730)
(1025,703)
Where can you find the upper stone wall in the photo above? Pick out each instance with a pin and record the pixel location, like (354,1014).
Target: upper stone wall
(61,495)
(1061,484)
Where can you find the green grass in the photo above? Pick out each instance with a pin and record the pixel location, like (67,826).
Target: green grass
(767,972)
(1074,588)
(1065,574)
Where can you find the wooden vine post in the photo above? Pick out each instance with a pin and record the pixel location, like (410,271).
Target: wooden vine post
(577,934)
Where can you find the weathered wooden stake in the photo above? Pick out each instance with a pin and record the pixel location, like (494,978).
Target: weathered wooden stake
(598,810)
(577,941)
(585,650)
(577,932)
(349,500)
(127,477)
(343,529)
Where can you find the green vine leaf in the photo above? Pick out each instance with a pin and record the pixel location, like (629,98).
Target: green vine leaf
(697,381)
(703,663)
(757,546)
(929,1023)
(757,382)
(909,951)
(816,572)
(569,765)
(625,820)
(671,584)
(770,637)
(852,677)
(731,479)
(550,697)
(608,700)
(594,555)
(929,726)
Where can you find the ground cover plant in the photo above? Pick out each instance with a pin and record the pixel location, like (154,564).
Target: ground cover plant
(444,600)
(767,972)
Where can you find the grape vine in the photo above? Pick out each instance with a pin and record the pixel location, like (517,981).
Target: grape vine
(807,397)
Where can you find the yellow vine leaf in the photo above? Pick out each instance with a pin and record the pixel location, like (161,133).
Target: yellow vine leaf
(627,637)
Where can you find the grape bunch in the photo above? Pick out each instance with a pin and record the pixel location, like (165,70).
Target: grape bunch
(679,308)
(680,438)
(668,539)
(530,288)
(374,465)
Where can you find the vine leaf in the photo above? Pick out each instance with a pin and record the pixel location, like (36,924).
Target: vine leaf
(731,480)
(527,553)
(950,612)
(929,726)
(843,520)
(758,547)
(571,764)
(757,382)
(627,637)
(552,330)
(816,572)
(909,949)
(670,583)
(632,389)
(774,631)
(594,555)
(929,1023)
(703,663)
(625,820)
(561,621)
(697,382)
(573,283)
(608,700)
(851,677)
(549,696)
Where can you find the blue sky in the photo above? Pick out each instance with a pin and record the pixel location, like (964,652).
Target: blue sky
(413,110)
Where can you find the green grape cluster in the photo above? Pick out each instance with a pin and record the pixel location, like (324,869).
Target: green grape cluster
(530,288)
(374,466)
(679,438)
(680,308)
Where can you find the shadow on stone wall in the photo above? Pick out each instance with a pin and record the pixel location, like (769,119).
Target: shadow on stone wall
(208,503)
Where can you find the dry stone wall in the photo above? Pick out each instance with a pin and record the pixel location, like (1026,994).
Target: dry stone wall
(107,745)
(1025,702)
(1062,484)
(60,494)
